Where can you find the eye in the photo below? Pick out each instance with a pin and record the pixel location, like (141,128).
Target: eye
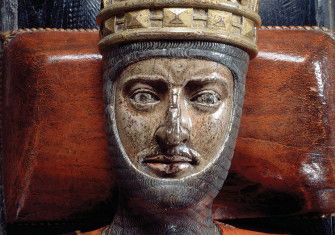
(208,98)
(144,97)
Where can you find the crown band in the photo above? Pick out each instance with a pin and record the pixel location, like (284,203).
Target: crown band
(208,20)
(186,34)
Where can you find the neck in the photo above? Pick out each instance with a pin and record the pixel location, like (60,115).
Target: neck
(134,219)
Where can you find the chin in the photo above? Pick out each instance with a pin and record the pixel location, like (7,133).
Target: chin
(177,196)
(161,194)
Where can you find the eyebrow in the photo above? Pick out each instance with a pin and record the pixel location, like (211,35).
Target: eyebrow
(144,78)
(156,81)
(212,78)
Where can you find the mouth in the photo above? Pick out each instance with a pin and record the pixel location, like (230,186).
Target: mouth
(169,165)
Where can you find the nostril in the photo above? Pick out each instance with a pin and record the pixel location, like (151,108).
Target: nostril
(171,135)
(159,140)
(184,141)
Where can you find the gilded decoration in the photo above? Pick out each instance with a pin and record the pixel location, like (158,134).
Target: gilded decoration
(233,22)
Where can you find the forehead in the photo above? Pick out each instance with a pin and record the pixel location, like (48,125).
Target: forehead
(177,71)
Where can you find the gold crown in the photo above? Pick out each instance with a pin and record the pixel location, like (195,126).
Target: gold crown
(227,21)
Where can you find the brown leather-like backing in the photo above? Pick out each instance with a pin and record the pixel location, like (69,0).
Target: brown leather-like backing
(284,161)
(56,166)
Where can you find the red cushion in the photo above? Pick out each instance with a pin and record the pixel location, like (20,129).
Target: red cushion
(56,165)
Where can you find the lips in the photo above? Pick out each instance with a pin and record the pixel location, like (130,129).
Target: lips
(168,165)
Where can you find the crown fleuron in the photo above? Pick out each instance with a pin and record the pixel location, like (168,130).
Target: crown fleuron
(227,21)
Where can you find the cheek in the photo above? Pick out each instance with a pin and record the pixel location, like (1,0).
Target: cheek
(209,132)
(136,129)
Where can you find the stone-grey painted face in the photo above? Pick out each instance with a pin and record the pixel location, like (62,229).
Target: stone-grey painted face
(173,116)
(181,103)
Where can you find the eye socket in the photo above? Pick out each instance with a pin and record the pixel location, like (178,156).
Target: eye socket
(144,97)
(207,98)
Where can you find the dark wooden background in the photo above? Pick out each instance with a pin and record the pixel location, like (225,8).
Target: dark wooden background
(81,13)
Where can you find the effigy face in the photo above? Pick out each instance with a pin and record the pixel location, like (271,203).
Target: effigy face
(172,121)
(172,112)
(173,116)
(174,75)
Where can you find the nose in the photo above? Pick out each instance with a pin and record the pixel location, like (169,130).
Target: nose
(175,130)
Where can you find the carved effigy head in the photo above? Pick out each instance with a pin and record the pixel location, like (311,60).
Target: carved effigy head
(174,73)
